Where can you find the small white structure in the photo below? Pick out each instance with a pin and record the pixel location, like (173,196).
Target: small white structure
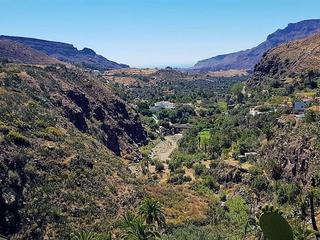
(162,105)
(254,112)
(250,154)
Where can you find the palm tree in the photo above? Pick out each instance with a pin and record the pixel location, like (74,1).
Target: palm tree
(84,235)
(106,236)
(2,237)
(127,220)
(136,229)
(153,213)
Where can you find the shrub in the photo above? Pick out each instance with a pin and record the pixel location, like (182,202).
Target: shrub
(179,179)
(14,178)
(55,131)
(174,164)
(18,138)
(159,166)
(211,183)
(260,183)
(199,169)
(287,193)
(4,129)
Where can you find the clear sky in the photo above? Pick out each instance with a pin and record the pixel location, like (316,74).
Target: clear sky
(154,32)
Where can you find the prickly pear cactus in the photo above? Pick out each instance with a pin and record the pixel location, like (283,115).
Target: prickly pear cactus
(274,226)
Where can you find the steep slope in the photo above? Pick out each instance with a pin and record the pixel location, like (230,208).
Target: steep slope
(19,53)
(248,58)
(59,130)
(293,62)
(68,53)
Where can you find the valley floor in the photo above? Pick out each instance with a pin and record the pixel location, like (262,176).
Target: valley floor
(162,152)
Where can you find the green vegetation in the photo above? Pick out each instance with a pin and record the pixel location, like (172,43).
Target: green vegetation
(84,236)
(17,138)
(152,212)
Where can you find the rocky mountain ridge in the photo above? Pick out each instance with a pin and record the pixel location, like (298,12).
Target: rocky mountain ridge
(248,58)
(291,63)
(20,53)
(65,52)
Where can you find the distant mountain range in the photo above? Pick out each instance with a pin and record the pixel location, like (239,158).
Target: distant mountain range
(247,59)
(63,52)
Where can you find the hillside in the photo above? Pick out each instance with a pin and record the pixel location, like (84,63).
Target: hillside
(291,63)
(248,58)
(60,132)
(19,53)
(65,52)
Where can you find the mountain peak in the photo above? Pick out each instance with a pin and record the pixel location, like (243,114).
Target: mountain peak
(247,59)
(88,51)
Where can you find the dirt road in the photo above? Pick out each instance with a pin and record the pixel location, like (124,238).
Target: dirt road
(163,149)
(162,152)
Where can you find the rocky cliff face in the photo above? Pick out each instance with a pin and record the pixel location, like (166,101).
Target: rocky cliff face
(248,58)
(68,53)
(292,157)
(290,63)
(61,130)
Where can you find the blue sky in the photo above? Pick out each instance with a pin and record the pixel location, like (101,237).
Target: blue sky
(154,32)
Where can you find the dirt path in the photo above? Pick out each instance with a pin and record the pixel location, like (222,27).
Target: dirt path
(163,149)
(162,152)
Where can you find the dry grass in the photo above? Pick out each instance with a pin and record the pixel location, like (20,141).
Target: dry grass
(229,73)
(2,91)
(181,204)
(124,80)
(132,71)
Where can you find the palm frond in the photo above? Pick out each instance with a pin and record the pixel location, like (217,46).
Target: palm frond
(84,235)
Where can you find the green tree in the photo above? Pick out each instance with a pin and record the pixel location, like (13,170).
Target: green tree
(152,211)
(135,229)
(236,90)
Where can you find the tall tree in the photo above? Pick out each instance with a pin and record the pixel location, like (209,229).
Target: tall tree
(153,212)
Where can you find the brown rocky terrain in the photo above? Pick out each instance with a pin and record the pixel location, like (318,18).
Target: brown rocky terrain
(20,53)
(290,63)
(292,157)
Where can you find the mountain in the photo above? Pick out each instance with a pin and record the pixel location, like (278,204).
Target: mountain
(65,52)
(290,63)
(20,53)
(248,58)
(62,131)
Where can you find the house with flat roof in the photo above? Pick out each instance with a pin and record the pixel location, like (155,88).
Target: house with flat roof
(162,105)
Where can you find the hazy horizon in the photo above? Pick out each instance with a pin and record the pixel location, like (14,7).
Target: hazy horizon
(154,33)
